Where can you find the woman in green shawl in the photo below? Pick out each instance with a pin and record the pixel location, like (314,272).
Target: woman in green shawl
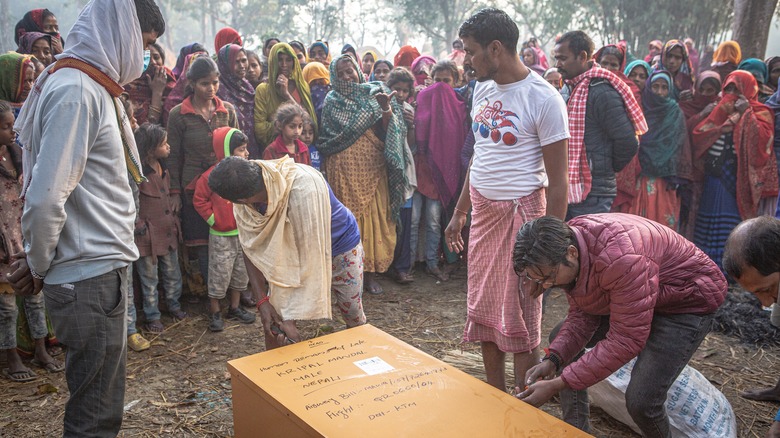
(362,142)
(664,153)
(285,84)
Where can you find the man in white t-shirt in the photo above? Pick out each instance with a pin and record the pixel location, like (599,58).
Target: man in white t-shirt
(518,173)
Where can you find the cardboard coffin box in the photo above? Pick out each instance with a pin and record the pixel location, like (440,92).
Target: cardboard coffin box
(363,382)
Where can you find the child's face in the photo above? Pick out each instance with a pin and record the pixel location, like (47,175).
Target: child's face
(307,134)
(163,149)
(319,82)
(402,91)
(241,151)
(292,130)
(131,117)
(7,134)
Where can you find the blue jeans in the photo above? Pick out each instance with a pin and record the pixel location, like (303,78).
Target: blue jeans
(673,340)
(591,205)
(131,315)
(168,266)
(402,258)
(89,318)
(430,211)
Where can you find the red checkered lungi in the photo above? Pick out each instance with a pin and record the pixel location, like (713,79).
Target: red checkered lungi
(498,309)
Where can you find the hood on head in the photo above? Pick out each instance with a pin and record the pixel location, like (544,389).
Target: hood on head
(221,141)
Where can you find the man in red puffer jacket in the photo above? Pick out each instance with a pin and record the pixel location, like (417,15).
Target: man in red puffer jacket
(635,289)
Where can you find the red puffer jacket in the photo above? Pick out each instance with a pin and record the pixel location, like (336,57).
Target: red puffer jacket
(630,268)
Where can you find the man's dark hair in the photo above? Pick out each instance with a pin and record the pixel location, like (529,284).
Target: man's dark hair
(542,242)
(489,25)
(755,243)
(150,17)
(578,41)
(235,178)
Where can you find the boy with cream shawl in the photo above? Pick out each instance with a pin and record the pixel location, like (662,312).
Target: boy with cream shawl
(299,237)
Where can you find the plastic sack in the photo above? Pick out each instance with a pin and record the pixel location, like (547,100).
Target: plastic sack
(695,408)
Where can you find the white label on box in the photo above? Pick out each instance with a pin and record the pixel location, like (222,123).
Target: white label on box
(374,365)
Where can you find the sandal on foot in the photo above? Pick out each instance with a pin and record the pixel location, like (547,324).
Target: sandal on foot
(178,314)
(55,350)
(437,274)
(54,366)
(154,326)
(403,278)
(20,376)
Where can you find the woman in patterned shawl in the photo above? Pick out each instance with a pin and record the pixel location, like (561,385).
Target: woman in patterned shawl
(362,140)
(233,65)
(664,153)
(735,142)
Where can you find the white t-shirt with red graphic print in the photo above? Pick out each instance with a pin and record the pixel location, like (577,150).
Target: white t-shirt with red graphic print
(511,124)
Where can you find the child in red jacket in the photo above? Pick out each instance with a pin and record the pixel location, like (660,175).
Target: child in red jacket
(288,122)
(226,258)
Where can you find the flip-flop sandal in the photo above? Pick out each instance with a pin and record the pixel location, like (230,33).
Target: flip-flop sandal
(29,375)
(178,315)
(55,350)
(51,367)
(154,327)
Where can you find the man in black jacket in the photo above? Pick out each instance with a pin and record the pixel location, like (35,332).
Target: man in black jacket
(610,140)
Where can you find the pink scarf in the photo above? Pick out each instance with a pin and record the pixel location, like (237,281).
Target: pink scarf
(440,133)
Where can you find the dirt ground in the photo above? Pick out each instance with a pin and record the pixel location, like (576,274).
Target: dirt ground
(180,387)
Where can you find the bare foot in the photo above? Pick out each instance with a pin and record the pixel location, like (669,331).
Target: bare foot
(762,394)
(370,285)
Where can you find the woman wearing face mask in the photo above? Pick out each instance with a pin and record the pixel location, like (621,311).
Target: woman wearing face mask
(741,181)
(148,93)
(44,21)
(285,84)
(234,88)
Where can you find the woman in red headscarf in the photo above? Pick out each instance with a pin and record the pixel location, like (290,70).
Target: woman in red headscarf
(735,143)
(406,56)
(613,58)
(225,36)
(44,21)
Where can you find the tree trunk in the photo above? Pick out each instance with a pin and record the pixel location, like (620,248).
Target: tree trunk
(751,25)
(6,28)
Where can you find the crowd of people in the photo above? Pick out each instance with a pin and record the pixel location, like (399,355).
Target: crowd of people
(269,178)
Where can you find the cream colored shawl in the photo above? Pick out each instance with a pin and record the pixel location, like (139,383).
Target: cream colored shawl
(291,243)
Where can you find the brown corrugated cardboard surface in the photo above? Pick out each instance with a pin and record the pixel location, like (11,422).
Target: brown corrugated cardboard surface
(363,382)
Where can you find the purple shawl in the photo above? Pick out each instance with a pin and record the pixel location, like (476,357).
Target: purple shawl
(239,92)
(440,134)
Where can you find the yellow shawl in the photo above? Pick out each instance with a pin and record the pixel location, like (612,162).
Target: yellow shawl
(291,243)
